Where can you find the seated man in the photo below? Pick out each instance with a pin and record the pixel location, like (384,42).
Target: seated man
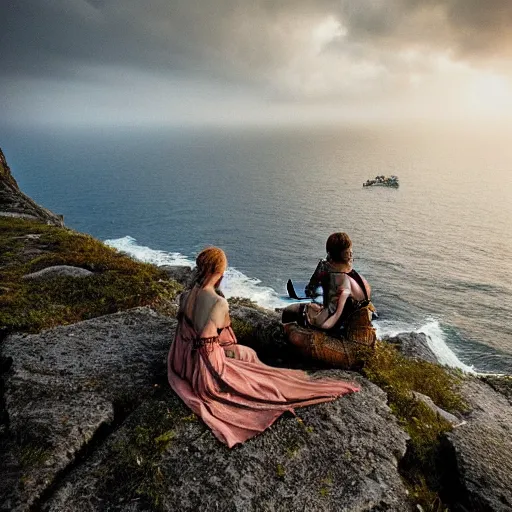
(346,311)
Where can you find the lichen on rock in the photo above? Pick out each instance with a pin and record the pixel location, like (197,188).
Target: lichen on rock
(285,468)
(66,383)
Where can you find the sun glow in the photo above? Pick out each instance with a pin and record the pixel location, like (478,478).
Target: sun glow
(490,94)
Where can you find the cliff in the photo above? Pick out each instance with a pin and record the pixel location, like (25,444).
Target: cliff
(88,422)
(14,203)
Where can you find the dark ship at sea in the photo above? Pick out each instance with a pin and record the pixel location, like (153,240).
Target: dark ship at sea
(383,181)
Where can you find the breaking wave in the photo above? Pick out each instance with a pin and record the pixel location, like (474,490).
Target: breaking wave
(234,284)
(435,338)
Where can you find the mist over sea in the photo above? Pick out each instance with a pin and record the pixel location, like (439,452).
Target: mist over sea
(437,251)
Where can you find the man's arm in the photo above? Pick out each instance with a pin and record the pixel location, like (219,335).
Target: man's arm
(342,299)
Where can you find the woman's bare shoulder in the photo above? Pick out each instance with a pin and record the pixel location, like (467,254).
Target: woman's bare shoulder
(219,312)
(214,301)
(221,303)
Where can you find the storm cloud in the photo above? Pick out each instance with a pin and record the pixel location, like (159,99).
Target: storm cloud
(304,50)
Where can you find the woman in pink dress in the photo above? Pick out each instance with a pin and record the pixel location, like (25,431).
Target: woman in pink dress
(224,383)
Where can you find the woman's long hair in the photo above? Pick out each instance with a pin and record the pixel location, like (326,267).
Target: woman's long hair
(209,261)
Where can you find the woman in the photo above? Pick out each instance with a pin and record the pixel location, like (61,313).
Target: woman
(346,312)
(224,383)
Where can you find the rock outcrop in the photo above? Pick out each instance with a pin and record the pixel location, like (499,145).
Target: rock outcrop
(330,457)
(413,345)
(500,383)
(14,203)
(455,421)
(482,450)
(69,386)
(180,273)
(59,271)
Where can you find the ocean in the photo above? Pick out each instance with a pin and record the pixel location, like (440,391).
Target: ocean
(437,251)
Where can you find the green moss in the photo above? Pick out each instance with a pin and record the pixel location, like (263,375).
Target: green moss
(399,377)
(31,456)
(326,485)
(306,428)
(292,450)
(138,471)
(244,331)
(387,368)
(280,471)
(163,440)
(243,301)
(191,417)
(325,491)
(430,501)
(118,283)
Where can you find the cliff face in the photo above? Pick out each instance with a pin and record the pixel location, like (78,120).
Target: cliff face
(100,429)
(14,203)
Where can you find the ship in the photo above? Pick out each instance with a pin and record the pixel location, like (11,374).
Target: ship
(382,181)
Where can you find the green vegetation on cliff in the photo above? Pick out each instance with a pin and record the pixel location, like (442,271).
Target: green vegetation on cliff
(118,281)
(400,377)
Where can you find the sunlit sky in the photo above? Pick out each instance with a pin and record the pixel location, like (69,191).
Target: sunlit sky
(158,62)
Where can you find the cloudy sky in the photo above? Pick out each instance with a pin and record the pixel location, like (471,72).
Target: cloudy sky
(225,61)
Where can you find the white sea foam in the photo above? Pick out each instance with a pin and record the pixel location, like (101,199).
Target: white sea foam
(128,245)
(234,284)
(435,339)
(237,284)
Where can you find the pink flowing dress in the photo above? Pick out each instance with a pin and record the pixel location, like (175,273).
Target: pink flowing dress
(231,390)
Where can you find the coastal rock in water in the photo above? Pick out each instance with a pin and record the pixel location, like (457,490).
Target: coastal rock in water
(59,271)
(64,387)
(334,456)
(14,203)
(482,450)
(413,345)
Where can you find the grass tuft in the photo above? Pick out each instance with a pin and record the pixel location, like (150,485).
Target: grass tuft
(30,456)
(244,331)
(118,282)
(138,470)
(280,471)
